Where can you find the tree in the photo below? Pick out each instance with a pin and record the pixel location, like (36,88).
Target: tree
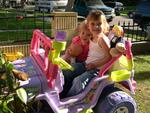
(3,3)
(70,5)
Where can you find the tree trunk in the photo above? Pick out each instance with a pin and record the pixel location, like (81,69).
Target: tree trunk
(69,5)
(3,3)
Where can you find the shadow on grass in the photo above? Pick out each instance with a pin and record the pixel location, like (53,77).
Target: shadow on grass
(142,75)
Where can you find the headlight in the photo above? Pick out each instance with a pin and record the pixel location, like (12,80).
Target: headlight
(113,11)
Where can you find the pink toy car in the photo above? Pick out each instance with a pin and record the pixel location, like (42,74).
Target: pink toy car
(101,95)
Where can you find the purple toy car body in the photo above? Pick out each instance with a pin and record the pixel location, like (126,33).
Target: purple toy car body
(101,94)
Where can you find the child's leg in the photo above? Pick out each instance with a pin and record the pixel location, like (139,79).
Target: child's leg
(69,75)
(80,82)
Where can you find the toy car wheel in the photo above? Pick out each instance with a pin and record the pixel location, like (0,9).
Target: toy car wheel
(116,102)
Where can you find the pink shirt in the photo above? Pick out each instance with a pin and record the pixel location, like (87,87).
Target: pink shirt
(85,48)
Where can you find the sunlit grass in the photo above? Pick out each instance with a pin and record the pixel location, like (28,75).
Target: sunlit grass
(142,77)
(127,9)
(18,26)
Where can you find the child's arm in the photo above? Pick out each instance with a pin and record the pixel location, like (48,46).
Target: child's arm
(66,56)
(75,50)
(104,43)
(72,52)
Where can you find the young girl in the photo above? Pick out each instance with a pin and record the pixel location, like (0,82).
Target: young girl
(98,55)
(79,47)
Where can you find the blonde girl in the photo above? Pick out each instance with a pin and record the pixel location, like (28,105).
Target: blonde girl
(98,54)
(79,47)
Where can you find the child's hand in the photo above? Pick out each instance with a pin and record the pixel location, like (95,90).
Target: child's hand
(90,66)
(66,56)
(75,50)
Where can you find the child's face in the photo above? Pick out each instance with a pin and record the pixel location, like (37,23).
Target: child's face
(85,35)
(95,27)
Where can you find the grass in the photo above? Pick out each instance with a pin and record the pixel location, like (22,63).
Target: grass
(9,21)
(21,29)
(20,35)
(142,77)
(127,9)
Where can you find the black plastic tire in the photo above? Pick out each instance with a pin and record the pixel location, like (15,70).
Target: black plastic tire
(116,102)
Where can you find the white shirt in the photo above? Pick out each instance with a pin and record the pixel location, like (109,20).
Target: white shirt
(96,52)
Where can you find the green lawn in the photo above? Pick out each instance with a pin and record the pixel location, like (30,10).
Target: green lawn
(127,9)
(21,28)
(142,76)
(11,20)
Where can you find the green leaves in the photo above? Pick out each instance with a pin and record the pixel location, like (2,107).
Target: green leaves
(2,60)
(6,76)
(5,107)
(22,95)
(9,66)
(12,97)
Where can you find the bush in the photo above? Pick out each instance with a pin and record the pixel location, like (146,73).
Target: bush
(129,2)
(13,99)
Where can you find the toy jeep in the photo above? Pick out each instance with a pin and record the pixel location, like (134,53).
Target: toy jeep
(101,95)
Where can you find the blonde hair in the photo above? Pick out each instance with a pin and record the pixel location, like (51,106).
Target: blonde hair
(81,26)
(95,15)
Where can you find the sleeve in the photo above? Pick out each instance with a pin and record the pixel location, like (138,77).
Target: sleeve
(76,40)
(75,48)
(107,41)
